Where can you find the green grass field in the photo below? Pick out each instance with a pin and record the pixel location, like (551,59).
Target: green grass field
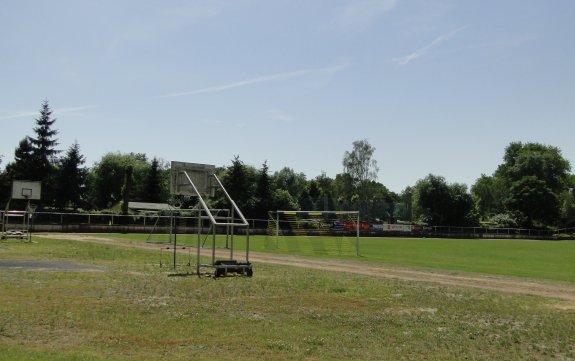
(133,310)
(552,260)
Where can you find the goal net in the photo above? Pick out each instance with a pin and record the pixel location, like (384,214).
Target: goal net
(314,233)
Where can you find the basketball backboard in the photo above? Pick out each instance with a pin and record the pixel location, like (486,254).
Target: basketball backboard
(26,190)
(199,174)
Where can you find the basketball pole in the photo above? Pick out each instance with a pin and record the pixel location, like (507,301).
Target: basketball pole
(357,236)
(175,241)
(28,218)
(174,231)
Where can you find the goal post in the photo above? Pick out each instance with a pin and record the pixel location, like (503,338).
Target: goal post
(329,232)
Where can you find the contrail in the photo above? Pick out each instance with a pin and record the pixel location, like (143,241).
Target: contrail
(421,52)
(54,111)
(263,79)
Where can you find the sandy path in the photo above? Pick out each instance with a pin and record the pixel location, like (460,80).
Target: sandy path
(561,291)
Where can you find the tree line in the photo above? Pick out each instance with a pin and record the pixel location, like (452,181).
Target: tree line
(533,187)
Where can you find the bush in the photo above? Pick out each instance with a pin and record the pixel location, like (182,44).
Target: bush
(504,220)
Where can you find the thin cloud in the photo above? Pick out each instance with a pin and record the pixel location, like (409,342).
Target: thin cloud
(426,49)
(73,109)
(18,115)
(258,80)
(28,114)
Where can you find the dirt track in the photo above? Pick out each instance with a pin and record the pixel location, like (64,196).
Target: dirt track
(561,291)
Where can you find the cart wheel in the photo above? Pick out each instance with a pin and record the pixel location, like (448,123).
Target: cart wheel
(250,272)
(219,272)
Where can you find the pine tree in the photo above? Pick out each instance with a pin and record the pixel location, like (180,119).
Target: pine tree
(44,152)
(24,166)
(71,178)
(5,184)
(237,181)
(44,144)
(240,181)
(154,191)
(263,192)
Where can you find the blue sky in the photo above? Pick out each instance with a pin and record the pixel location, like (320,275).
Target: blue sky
(436,86)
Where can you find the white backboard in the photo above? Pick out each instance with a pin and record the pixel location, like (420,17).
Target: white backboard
(26,190)
(200,175)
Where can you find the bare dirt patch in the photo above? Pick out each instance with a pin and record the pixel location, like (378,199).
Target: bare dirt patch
(556,290)
(44,265)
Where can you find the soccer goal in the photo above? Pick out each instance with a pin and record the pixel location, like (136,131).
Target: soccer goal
(310,232)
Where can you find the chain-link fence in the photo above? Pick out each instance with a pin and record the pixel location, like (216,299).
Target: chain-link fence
(152,223)
(115,223)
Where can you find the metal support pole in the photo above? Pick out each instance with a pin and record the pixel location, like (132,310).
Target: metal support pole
(199,213)
(277,229)
(213,244)
(227,235)
(173,232)
(357,237)
(232,238)
(25,220)
(248,244)
(28,216)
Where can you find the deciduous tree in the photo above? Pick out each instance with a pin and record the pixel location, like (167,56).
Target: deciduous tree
(535,176)
(362,168)
(489,194)
(359,163)
(107,177)
(440,204)
(291,181)
(544,162)
(534,200)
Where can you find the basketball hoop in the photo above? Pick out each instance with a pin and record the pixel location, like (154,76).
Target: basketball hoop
(28,190)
